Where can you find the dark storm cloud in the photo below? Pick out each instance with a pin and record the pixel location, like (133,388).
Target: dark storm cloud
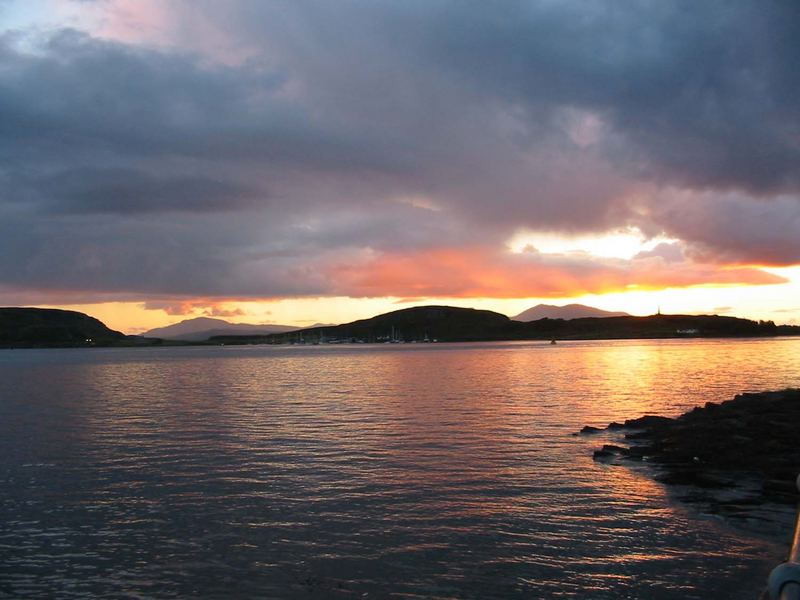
(122,191)
(704,91)
(199,255)
(698,92)
(80,97)
(306,135)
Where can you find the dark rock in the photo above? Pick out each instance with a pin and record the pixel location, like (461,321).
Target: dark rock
(780,486)
(636,452)
(590,429)
(647,421)
(637,435)
(678,476)
(614,448)
(753,435)
(693,476)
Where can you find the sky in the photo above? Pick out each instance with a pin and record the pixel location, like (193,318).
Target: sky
(303,161)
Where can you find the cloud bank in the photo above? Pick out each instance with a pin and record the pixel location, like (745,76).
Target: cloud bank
(256,149)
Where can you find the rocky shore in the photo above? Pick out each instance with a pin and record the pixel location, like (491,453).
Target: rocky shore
(738,456)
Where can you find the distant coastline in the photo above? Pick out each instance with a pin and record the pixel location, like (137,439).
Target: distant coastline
(449,324)
(47,328)
(50,328)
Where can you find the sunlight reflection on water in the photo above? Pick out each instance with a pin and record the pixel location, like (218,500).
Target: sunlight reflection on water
(435,471)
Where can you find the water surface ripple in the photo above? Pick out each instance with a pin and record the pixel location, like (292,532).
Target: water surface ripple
(414,471)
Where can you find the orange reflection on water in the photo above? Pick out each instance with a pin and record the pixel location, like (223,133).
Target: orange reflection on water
(390,460)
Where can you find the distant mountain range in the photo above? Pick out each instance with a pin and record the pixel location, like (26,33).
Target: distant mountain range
(569,311)
(202,328)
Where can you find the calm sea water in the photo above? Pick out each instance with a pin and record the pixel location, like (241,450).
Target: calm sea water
(413,471)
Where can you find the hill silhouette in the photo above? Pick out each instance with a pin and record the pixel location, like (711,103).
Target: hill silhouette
(433,322)
(44,327)
(200,329)
(569,311)
(408,324)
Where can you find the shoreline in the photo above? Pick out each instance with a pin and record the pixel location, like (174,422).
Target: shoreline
(739,459)
(166,343)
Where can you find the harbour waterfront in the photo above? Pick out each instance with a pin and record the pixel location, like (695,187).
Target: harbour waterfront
(408,471)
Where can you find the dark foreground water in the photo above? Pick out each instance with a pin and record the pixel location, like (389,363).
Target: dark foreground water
(414,471)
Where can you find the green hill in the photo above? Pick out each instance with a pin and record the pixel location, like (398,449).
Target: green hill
(46,327)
